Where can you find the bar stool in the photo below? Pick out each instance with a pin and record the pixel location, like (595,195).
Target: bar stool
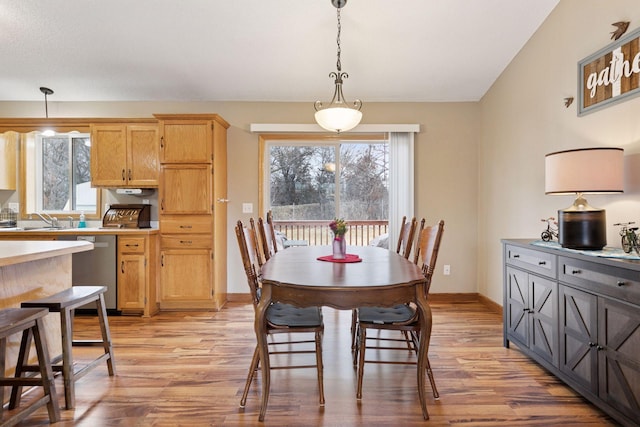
(29,322)
(65,303)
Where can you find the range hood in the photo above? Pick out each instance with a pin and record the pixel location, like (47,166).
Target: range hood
(135,191)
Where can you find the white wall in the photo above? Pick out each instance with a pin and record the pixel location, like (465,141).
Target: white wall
(523,117)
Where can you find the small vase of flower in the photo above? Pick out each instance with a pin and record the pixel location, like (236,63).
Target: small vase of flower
(339,229)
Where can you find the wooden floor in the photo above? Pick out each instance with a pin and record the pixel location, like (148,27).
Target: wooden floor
(188,369)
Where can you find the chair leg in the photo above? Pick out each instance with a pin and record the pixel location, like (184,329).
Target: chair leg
(436,395)
(3,355)
(252,371)
(362,343)
(320,366)
(354,328)
(66,319)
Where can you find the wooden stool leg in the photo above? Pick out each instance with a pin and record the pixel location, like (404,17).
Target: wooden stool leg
(23,360)
(46,372)
(66,318)
(106,334)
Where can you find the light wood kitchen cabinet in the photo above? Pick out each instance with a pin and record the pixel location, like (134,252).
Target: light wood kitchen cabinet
(193,212)
(8,160)
(137,284)
(124,155)
(186,189)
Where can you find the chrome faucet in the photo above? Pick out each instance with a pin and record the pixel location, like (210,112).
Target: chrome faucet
(48,219)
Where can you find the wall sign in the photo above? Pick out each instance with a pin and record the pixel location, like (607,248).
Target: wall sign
(610,75)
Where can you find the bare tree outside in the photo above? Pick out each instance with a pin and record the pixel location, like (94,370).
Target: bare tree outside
(66,165)
(303,181)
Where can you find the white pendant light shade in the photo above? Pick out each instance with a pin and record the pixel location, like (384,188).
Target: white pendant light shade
(338,116)
(338,119)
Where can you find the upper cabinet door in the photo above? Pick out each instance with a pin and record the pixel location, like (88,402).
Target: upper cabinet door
(143,167)
(186,141)
(108,155)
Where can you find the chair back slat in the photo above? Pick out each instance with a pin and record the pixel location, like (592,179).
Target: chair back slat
(265,239)
(244,243)
(430,239)
(407,233)
(256,245)
(416,249)
(272,231)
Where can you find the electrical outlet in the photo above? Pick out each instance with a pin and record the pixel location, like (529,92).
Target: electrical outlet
(447,270)
(247,208)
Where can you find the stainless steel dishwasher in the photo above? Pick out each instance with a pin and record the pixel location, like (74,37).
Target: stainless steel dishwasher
(96,267)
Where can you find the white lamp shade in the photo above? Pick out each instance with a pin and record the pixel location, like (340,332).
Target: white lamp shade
(586,170)
(338,119)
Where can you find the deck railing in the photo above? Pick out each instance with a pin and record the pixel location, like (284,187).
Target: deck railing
(359,233)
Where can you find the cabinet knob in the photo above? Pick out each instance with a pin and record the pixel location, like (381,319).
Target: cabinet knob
(122,266)
(542,262)
(516,255)
(123,177)
(592,344)
(621,283)
(576,271)
(186,226)
(186,242)
(223,200)
(600,348)
(162,142)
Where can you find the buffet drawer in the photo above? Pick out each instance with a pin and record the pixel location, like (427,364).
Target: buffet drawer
(605,279)
(532,260)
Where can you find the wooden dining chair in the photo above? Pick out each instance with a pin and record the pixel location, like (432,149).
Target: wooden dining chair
(281,319)
(254,243)
(405,242)
(402,317)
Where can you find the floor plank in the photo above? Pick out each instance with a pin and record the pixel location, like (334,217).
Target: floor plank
(189,369)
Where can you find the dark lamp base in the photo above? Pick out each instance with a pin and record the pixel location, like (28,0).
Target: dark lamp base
(582,229)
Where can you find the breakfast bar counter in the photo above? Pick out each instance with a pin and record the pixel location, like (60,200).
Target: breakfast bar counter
(31,270)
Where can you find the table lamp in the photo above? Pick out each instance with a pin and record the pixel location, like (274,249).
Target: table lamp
(583,171)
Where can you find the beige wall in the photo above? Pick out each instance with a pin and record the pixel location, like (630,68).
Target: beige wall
(446,164)
(523,117)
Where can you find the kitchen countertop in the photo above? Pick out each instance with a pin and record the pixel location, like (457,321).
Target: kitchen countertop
(77,231)
(17,252)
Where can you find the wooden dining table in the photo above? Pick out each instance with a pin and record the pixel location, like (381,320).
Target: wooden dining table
(383,278)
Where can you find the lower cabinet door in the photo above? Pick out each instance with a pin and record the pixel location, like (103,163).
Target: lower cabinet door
(185,274)
(579,337)
(132,281)
(618,353)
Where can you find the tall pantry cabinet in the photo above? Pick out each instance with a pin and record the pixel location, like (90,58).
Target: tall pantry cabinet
(193,211)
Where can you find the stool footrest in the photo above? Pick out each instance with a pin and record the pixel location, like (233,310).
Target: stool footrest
(87,343)
(21,381)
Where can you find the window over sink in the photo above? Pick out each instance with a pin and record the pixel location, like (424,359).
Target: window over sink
(56,174)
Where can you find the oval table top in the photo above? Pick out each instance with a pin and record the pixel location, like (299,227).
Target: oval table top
(300,267)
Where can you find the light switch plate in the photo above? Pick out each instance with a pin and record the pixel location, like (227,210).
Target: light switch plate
(247,208)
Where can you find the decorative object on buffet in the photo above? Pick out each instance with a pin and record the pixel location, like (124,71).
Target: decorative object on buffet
(583,171)
(338,116)
(629,237)
(551,231)
(339,229)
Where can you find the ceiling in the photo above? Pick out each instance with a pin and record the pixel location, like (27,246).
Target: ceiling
(259,50)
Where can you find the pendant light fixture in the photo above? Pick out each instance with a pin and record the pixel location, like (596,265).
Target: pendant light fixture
(46,91)
(338,116)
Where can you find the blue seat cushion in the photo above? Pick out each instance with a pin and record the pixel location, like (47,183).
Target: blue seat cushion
(280,314)
(400,313)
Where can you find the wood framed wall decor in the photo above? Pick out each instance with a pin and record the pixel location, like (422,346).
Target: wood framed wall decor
(610,75)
